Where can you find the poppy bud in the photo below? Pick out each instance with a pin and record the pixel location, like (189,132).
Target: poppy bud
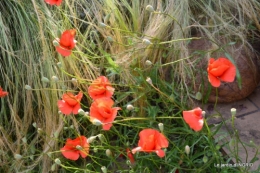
(102,25)
(57,161)
(129,107)
(233,111)
(128,162)
(203,113)
(101,137)
(55,43)
(54,78)
(27,87)
(31,157)
(91,139)
(187,149)
(95,150)
(18,156)
(34,124)
(161,127)
(149,8)
(53,167)
(59,64)
(110,39)
(56,134)
(74,81)
(65,128)
(108,153)
(86,114)
(97,122)
(78,147)
(39,130)
(24,140)
(148,63)
(107,17)
(71,126)
(217,146)
(45,80)
(81,112)
(205,159)
(198,96)
(104,169)
(49,154)
(148,79)
(232,143)
(146,41)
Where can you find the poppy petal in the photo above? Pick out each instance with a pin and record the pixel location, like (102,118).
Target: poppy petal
(162,142)
(107,126)
(69,154)
(194,121)
(218,71)
(76,109)
(215,82)
(64,107)
(229,75)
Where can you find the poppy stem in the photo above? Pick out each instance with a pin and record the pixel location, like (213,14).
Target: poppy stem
(173,101)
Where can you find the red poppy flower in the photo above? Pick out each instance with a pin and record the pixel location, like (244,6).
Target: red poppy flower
(70,103)
(151,141)
(74,148)
(194,118)
(66,42)
(130,155)
(100,87)
(220,70)
(53,2)
(101,110)
(3,93)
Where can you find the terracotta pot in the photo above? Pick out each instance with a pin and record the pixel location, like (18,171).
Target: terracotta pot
(246,60)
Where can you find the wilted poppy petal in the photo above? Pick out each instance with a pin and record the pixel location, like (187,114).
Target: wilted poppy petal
(160,153)
(64,107)
(229,75)
(215,82)
(69,153)
(130,155)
